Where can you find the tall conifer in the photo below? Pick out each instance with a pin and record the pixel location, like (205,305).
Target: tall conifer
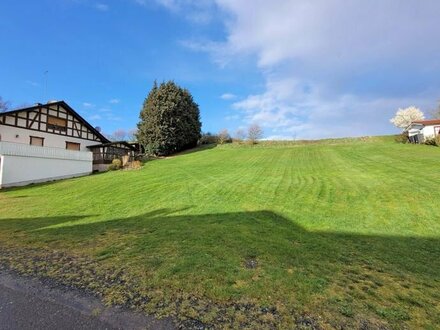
(169,120)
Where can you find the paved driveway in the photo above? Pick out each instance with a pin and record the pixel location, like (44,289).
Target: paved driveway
(27,303)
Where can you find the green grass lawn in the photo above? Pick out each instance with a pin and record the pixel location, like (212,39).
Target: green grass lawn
(342,233)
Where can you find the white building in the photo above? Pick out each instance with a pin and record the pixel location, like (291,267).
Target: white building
(45,142)
(421,130)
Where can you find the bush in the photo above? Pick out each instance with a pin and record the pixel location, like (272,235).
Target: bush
(239,136)
(208,138)
(134,165)
(401,138)
(224,137)
(433,141)
(115,165)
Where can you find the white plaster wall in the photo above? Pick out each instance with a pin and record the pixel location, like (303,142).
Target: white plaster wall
(8,133)
(1,170)
(428,132)
(24,164)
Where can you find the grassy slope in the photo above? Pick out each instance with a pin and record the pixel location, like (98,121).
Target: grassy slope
(347,231)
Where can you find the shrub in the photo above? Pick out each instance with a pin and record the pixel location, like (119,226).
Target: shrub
(115,165)
(432,142)
(134,165)
(401,138)
(224,137)
(208,138)
(239,136)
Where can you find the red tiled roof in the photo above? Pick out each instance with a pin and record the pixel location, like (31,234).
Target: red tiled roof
(428,122)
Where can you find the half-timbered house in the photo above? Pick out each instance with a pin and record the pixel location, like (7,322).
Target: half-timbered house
(45,142)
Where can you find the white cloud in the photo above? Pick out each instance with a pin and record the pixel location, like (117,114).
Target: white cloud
(110,116)
(88,105)
(287,110)
(331,67)
(333,32)
(101,7)
(232,118)
(141,2)
(95,117)
(114,101)
(279,138)
(32,83)
(228,96)
(196,11)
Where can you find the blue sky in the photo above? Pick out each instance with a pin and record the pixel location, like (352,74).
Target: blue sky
(300,69)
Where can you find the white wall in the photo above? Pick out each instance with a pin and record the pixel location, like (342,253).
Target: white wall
(23,164)
(9,134)
(429,131)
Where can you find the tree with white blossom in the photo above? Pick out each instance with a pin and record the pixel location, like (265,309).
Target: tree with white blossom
(404,117)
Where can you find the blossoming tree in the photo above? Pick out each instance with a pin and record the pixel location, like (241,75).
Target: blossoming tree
(404,117)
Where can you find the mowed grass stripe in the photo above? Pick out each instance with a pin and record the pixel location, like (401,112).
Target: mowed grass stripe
(344,231)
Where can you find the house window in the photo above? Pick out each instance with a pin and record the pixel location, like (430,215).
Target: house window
(56,123)
(73,146)
(36,141)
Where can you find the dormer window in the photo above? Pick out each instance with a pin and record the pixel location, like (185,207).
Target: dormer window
(56,123)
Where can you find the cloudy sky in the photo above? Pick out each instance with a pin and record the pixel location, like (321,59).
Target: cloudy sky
(299,68)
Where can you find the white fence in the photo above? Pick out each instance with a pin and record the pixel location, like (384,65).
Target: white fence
(22,164)
(26,150)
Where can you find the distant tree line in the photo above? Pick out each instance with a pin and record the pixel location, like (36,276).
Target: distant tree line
(253,135)
(122,135)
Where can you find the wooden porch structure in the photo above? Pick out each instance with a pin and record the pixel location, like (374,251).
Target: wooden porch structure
(103,154)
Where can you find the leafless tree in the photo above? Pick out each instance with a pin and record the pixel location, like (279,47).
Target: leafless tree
(131,134)
(240,135)
(119,134)
(435,114)
(255,132)
(223,136)
(4,105)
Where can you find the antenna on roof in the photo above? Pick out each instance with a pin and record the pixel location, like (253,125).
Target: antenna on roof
(45,84)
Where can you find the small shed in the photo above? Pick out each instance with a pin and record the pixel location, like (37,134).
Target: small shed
(421,130)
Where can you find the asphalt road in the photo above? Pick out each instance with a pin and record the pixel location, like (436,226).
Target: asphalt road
(19,310)
(28,303)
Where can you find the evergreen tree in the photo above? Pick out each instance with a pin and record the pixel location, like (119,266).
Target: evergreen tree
(169,120)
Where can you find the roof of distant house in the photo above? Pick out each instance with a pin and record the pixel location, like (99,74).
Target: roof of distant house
(427,122)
